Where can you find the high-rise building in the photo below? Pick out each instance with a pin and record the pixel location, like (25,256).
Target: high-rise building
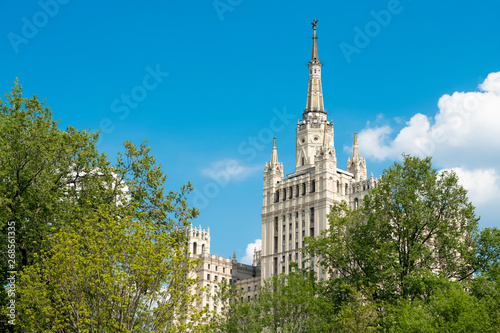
(297,205)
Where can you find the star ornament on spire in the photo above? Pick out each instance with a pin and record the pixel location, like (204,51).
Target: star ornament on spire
(314,24)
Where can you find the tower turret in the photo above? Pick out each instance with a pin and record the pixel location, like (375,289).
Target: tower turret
(356,165)
(314,131)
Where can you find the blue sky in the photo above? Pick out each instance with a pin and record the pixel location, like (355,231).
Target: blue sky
(208,83)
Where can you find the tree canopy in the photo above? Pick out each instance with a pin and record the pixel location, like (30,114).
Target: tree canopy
(99,246)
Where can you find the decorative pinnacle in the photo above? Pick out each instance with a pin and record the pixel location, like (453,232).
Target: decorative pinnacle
(314,24)
(274,156)
(314,56)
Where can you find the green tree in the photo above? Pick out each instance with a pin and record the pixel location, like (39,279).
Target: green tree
(51,181)
(110,274)
(414,221)
(286,303)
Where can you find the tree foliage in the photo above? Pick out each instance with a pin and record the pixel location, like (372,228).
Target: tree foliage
(286,303)
(415,220)
(98,241)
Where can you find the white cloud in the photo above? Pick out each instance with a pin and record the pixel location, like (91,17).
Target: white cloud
(464,129)
(483,185)
(228,170)
(248,258)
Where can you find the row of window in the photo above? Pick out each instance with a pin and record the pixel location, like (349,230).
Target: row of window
(297,191)
(223,269)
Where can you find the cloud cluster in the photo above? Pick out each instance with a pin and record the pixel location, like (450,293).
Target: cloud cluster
(230,170)
(248,258)
(462,135)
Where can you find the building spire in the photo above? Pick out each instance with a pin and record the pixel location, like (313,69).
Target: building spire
(315,92)
(314,56)
(274,156)
(355,151)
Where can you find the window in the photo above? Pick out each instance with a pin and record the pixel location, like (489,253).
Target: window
(296,245)
(296,256)
(284,194)
(208,276)
(223,279)
(296,224)
(303,188)
(277,196)
(284,227)
(284,238)
(290,237)
(338,186)
(216,278)
(230,271)
(223,269)
(255,287)
(284,217)
(291,192)
(346,189)
(296,190)
(283,269)
(311,232)
(216,268)
(276,223)
(208,266)
(215,308)
(248,288)
(296,214)
(303,213)
(290,257)
(302,159)
(248,298)
(290,226)
(303,233)
(313,186)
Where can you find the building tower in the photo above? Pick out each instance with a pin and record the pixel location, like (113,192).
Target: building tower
(296,206)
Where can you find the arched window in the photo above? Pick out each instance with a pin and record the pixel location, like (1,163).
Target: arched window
(195,245)
(356,203)
(202,248)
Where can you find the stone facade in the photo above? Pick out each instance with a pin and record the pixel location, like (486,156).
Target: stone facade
(213,270)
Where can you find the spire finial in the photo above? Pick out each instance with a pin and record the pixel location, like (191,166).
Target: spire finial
(274,156)
(314,24)
(314,56)
(355,151)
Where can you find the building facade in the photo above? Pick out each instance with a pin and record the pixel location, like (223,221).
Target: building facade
(213,270)
(297,205)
